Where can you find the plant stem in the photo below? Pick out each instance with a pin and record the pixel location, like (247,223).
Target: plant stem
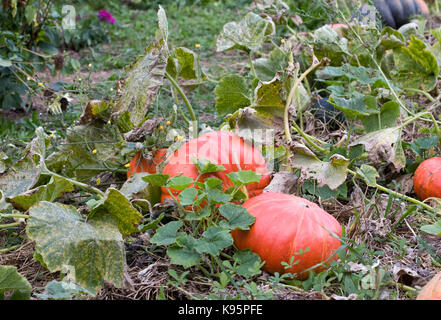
(5,250)
(320,149)
(186,101)
(9,225)
(290,96)
(253,71)
(14,215)
(396,194)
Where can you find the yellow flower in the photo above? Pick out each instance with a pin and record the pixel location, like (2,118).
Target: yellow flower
(40,84)
(161,127)
(94,151)
(98,181)
(168,122)
(282,41)
(197,45)
(52,135)
(127,165)
(108,122)
(90,65)
(179,138)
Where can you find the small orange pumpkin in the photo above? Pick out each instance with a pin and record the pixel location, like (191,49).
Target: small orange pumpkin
(427,179)
(432,290)
(141,164)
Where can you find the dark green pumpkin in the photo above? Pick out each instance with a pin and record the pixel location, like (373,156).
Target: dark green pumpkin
(395,13)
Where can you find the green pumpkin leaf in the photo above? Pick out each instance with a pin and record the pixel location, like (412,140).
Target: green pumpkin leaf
(137,188)
(232,93)
(389,113)
(434,229)
(20,179)
(157,179)
(248,34)
(267,68)
(237,217)
(213,240)
(218,196)
(356,105)
(61,290)
(120,209)
(244,177)
(416,60)
(13,283)
(268,97)
(206,166)
(187,196)
(56,187)
(188,66)
(184,253)
(369,174)
(383,145)
(179,182)
(142,84)
(248,263)
(196,216)
(88,252)
(332,173)
(168,233)
(76,158)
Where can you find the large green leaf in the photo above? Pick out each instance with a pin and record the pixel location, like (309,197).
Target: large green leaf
(248,34)
(88,252)
(332,173)
(232,93)
(13,283)
(416,67)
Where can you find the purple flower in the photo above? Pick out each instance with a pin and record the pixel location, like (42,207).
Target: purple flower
(104,15)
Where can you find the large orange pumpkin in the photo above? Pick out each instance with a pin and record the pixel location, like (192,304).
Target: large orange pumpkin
(432,290)
(286,224)
(223,148)
(140,164)
(427,179)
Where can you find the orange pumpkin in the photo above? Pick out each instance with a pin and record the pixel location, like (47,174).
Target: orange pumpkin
(286,224)
(140,164)
(223,148)
(432,290)
(427,179)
